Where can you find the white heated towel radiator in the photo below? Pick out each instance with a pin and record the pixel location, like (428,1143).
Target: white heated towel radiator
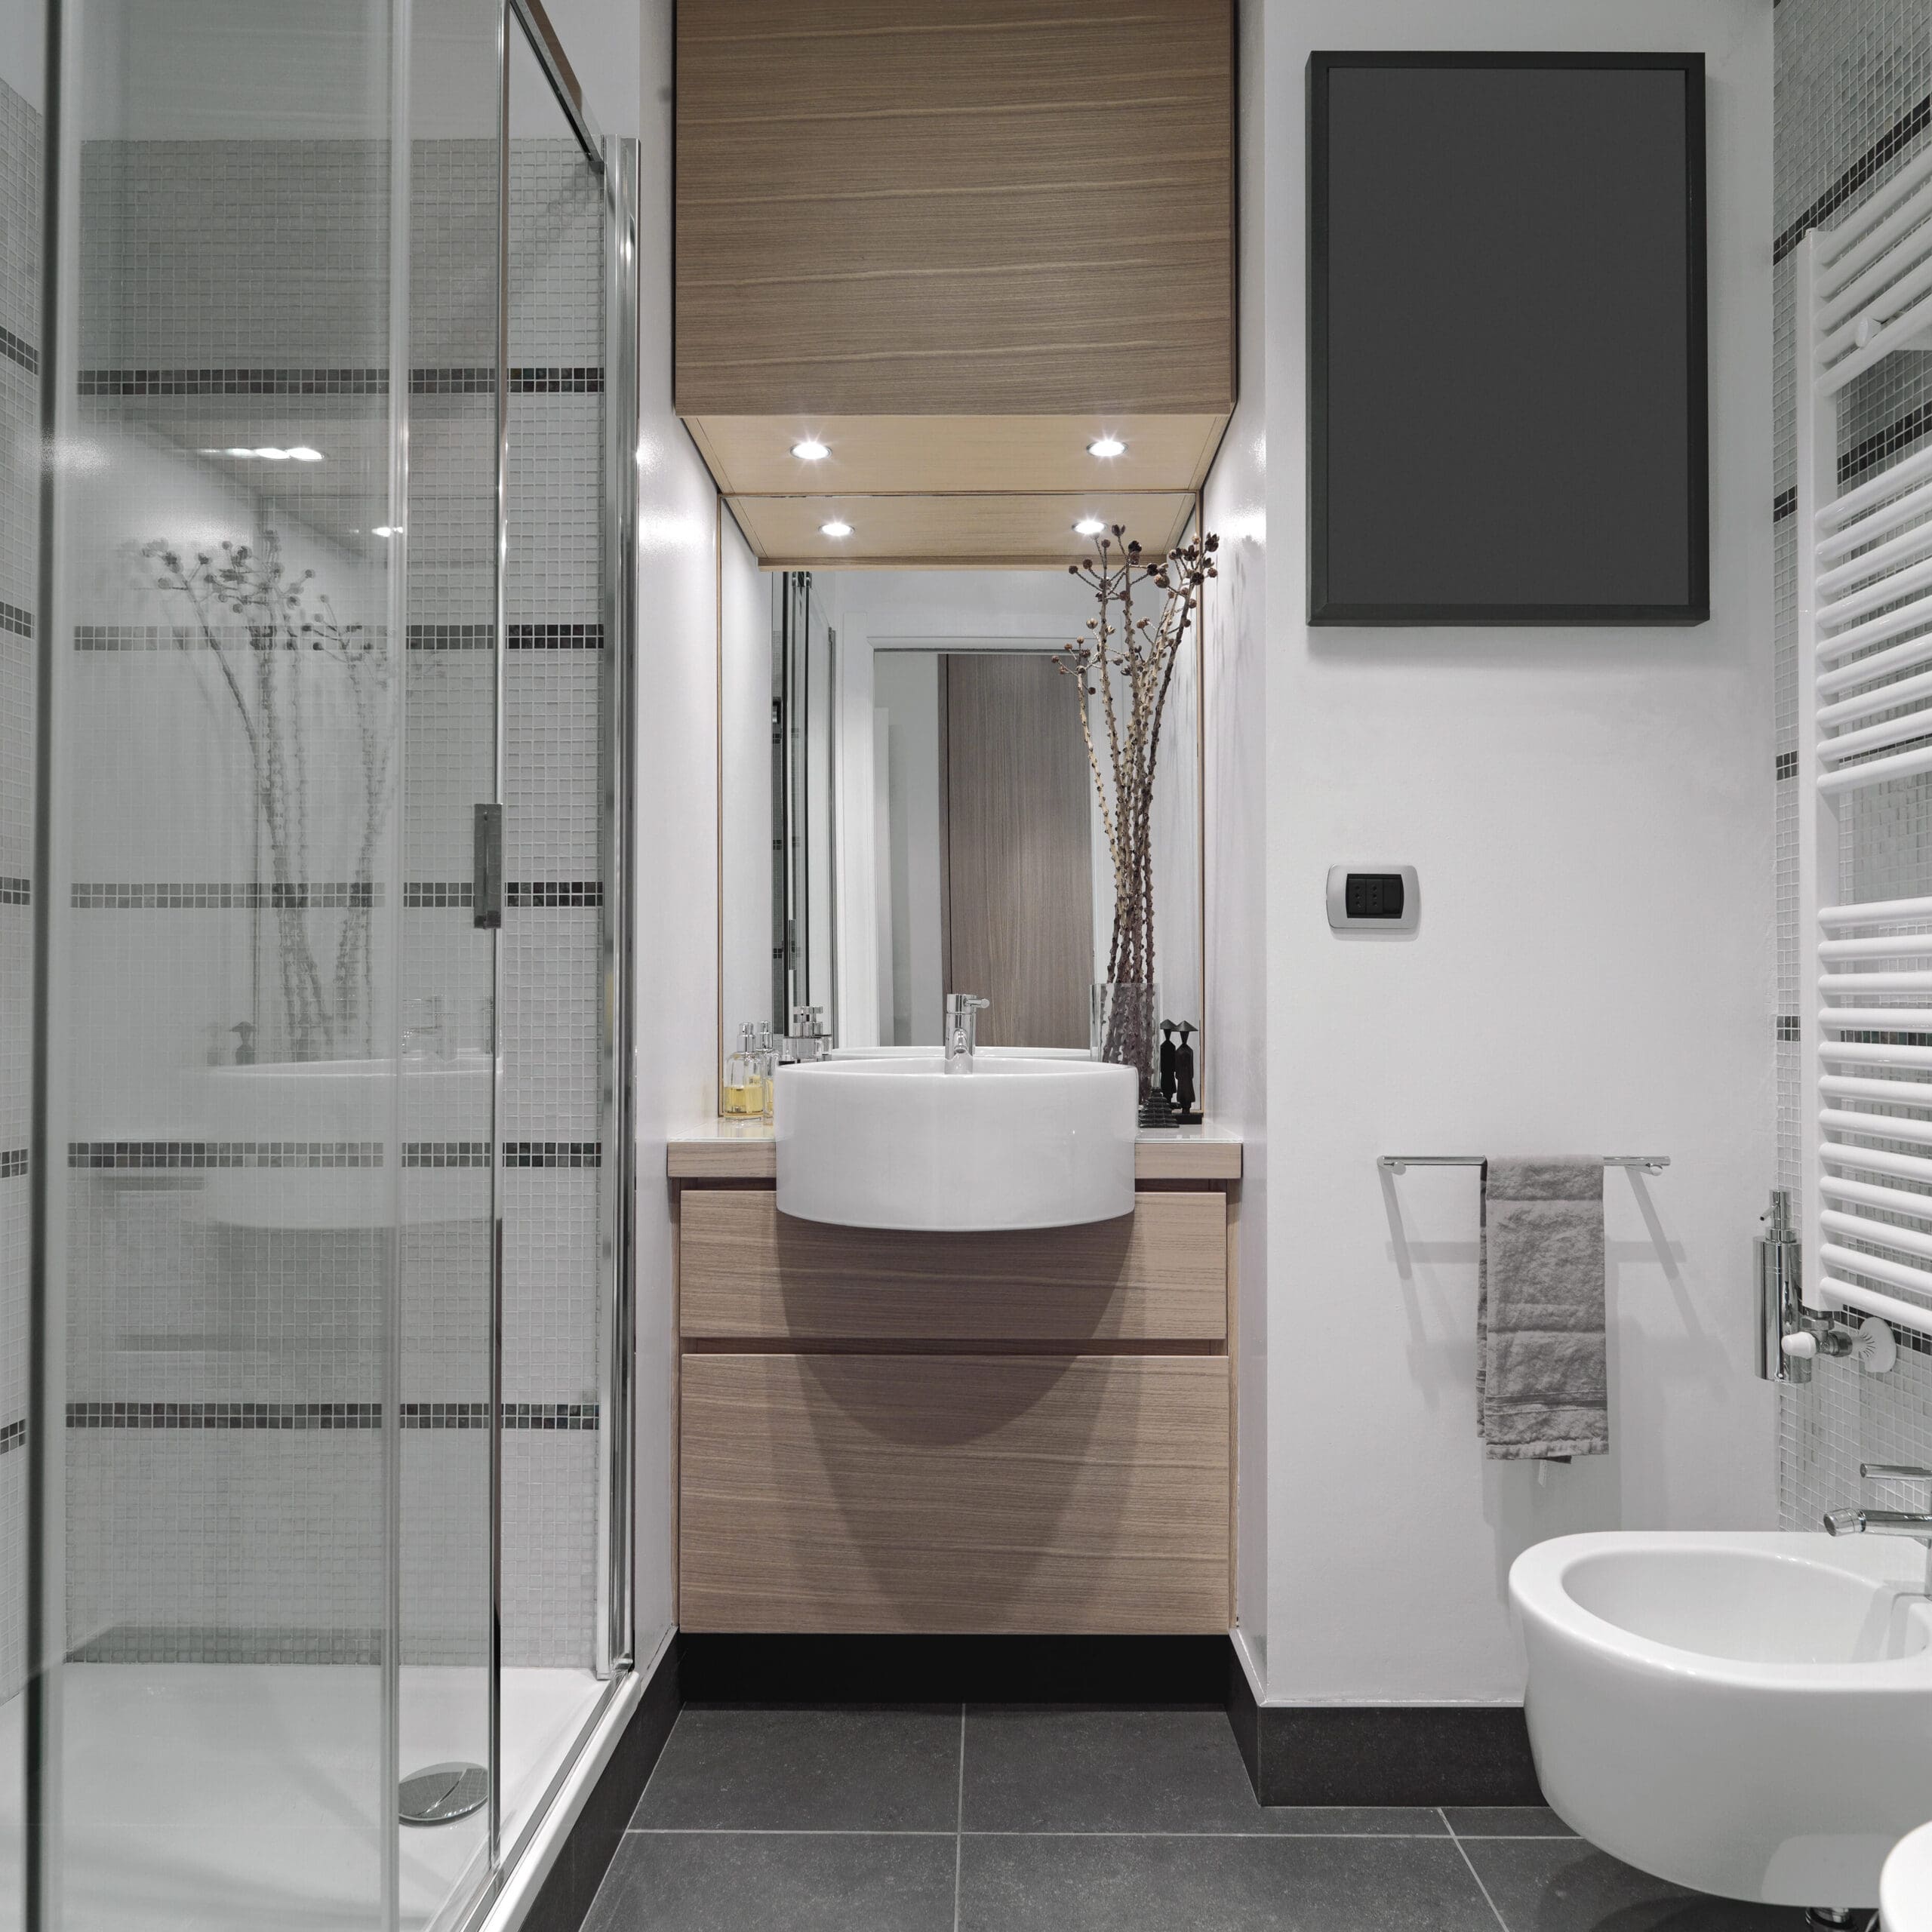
(1864,289)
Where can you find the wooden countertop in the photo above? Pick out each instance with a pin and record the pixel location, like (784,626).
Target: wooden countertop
(744,1150)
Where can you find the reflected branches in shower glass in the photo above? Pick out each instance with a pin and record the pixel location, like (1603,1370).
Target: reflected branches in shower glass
(284,654)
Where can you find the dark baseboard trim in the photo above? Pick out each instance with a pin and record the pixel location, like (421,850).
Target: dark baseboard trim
(952,1670)
(563,1901)
(1381,1754)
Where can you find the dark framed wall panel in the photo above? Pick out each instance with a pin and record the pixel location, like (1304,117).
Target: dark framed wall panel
(1508,341)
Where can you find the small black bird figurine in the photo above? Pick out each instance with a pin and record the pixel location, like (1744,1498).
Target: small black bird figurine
(1184,1076)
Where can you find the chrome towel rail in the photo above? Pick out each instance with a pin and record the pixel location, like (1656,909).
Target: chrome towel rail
(1651,1163)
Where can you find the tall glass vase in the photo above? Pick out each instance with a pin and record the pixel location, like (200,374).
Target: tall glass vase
(1127,1028)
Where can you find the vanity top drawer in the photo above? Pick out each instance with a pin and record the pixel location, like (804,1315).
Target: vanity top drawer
(747,1273)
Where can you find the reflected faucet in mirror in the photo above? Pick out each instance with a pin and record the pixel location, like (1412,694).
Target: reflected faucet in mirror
(962,1030)
(807,1039)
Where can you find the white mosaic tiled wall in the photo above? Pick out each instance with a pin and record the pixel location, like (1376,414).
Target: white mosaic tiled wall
(1854,102)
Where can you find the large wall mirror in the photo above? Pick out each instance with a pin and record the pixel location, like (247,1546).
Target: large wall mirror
(908,811)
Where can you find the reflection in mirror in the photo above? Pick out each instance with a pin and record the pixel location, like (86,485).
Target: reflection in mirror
(909,811)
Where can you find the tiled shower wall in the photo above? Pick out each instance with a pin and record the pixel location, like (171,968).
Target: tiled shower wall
(223,1468)
(1853,104)
(19,402)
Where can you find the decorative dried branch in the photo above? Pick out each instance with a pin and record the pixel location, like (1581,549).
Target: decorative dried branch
(1123,665)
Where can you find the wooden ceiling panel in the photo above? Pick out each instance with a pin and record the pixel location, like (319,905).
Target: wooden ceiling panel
(925,455)
(957,209)
(900,532)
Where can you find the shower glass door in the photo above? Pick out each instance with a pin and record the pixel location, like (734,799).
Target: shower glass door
(269,1180)
(313,1373)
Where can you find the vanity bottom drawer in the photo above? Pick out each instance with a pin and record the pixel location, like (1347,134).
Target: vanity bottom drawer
(1016,1494)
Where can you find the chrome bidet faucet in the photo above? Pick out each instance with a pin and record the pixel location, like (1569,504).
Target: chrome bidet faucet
(1887,1522)
(962,1030)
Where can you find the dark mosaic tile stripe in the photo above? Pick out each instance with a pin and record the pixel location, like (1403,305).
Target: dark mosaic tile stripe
(372,638)
(556,637)
(16,892)
(446,1153)
(225,1415)
(14,1435)
(452,637)
(467,379)
(556,894)
(13,1163)
(461,379)
(371,382)
(17,349)
(231,895)
(1888,147)
(199,1156)
(1787,765)
(522,637)
(1878,448)
(571,1417)
(552,1154)
(166,1643)
(578,1417)
(1784,504)
(544,1417)
(1786,1026)
(14,618)
(526,378)
(437,894)
(532,379)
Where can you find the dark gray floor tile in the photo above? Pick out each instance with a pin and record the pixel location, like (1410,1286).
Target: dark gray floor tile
(1083,1770)
(1217,1884)
(742,1769)
(1564,1885)
(726,1881)
(1505,1821)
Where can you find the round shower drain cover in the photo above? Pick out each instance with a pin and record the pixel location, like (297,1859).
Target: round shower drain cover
(438,1793)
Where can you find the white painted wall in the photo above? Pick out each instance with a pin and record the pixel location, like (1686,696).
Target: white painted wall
(676,984)
(745,746)
(1621,777)
(1234,805)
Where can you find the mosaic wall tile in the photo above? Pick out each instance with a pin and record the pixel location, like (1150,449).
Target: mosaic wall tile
(1853,104)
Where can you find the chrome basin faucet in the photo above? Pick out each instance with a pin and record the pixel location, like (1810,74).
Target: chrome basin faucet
(962,1030)
(1887,1522)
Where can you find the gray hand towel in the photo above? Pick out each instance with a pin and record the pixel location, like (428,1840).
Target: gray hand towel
(1541,1389)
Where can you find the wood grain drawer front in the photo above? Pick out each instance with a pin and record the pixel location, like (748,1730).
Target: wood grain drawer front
(953,1493)
(749,1273)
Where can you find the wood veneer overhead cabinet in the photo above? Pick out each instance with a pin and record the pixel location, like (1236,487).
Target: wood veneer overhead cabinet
(971,208)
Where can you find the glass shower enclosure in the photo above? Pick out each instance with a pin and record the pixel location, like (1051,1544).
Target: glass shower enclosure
(317,403)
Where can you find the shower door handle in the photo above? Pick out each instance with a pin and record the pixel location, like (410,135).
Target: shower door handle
(486,876)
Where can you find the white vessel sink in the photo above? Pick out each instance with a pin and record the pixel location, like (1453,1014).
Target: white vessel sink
(900,1143)
(311,1109)
(1746,1713)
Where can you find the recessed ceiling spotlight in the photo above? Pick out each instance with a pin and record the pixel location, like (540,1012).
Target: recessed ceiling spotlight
(302,453)
(1106,446)
(387,529)
(837,527)
(1090,526)
(810,451)
(268,455)
(238,452)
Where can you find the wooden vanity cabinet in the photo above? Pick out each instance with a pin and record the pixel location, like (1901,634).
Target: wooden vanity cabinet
(1024,1432)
